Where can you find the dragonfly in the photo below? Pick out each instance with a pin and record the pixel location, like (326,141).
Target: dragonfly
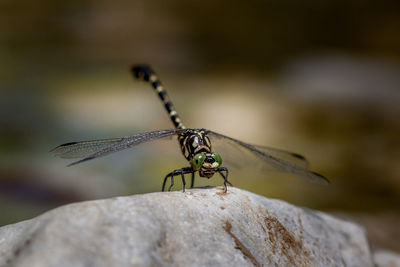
(195,145)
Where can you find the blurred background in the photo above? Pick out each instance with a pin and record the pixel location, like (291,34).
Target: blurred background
(318,78)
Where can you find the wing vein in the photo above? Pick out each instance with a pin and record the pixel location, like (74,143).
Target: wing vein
(299,168)
(92,149)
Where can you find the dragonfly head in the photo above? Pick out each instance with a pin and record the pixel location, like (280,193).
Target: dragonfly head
(206,163)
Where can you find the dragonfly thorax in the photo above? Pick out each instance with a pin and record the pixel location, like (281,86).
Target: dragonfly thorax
(194,142)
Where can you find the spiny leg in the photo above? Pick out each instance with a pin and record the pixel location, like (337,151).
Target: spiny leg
(165,181)
(172,182)
(220,170)
(225,176)
(183,182)
(182,172)
(192,183)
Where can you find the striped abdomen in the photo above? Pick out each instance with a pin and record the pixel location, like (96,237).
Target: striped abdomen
(145,72)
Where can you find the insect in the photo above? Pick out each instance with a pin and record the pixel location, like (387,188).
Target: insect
(195,145)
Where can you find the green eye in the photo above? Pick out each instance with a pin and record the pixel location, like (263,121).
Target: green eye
(198,160)
(217,158)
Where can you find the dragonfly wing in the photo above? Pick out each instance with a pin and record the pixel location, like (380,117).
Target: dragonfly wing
(279,160)
(92,149)
(290,157)
(84,148)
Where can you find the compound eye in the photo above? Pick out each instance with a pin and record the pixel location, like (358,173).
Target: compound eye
(198,160)
(217,158)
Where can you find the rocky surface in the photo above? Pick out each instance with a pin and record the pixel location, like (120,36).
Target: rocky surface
(202,227)
(386,259)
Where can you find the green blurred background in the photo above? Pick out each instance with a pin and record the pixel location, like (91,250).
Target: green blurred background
(321,78)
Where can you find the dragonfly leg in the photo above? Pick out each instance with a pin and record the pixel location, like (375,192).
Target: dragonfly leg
(171,174)
(183,181)
(172,182)
(165,180)
(182,172)
(225,176)
(192,183)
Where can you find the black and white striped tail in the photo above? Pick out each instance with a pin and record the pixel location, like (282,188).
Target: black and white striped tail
(145,72)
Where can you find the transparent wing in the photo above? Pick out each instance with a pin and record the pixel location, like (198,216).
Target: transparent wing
(84,148)
(98,148)
(276,159)
(290,157)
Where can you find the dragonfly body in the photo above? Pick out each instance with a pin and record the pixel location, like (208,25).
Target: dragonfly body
(195,145)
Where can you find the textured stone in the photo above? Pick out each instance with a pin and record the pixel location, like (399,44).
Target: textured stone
(201,227)
(386,259)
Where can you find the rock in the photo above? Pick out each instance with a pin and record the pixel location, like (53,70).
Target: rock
(386,259)
(201,227)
